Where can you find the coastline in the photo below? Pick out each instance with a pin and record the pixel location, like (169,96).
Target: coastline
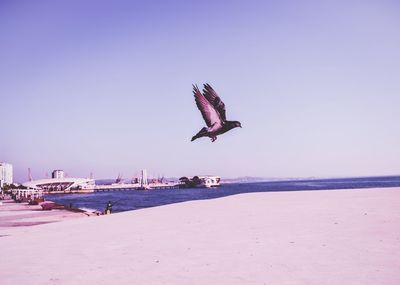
(302,237)
(22,215)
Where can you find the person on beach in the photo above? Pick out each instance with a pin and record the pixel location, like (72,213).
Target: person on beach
(108,208)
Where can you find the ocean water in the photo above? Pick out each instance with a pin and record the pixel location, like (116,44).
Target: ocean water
(138,199)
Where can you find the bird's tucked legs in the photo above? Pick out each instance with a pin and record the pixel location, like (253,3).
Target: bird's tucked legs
(213,139)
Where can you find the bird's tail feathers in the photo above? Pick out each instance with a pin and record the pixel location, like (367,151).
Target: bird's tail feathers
(200,134)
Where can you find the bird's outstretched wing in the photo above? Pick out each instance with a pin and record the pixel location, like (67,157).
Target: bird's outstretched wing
(214,100)
(209,113)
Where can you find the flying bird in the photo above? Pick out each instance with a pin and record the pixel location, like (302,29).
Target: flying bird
(213,111)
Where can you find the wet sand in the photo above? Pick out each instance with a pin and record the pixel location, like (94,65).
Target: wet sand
(304,237)
(22,215)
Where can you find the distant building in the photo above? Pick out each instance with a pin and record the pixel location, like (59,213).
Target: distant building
(6,172)
(200,181)
(62,185)
(57,174)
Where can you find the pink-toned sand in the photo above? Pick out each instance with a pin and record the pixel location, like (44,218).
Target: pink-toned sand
(21,214)
(307,237)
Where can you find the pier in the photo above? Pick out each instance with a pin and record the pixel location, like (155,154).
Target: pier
(142,184)
(129,187)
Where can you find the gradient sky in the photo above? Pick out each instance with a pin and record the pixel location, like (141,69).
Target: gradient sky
(105,87)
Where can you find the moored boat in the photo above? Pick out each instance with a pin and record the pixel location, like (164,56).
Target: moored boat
(47,205)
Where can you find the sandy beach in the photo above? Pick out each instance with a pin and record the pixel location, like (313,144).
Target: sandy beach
(22,215)
(304,237)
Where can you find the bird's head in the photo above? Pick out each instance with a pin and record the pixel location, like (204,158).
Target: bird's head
(237,124)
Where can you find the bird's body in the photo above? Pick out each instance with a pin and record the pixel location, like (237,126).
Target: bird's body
(213,112)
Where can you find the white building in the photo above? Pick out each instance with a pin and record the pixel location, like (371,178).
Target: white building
(62,185)
(57,174)
(207,181)
(6,172)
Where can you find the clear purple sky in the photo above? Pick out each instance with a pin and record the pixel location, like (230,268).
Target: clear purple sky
(105,87)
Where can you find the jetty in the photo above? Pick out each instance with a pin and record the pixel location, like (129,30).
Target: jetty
(142,183)
(136,186)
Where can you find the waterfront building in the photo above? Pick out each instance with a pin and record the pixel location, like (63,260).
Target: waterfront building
(144,183)
(206,181)
(56,174)
(62,185)
(6,172)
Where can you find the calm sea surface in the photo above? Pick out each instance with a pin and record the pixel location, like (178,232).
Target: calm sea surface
(138,199)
